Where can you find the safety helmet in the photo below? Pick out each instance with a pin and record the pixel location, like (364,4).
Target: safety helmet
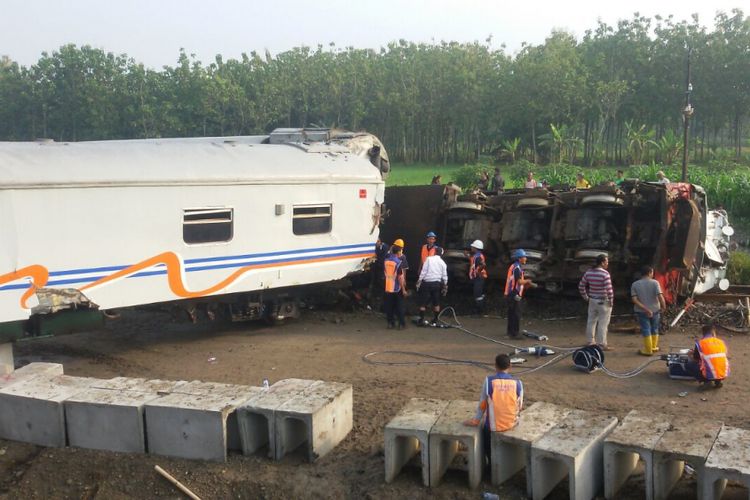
(518,253)
(399,243)
(478,245)
(431,234)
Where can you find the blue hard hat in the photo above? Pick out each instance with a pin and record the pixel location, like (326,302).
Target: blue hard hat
(431,235)
(518,253)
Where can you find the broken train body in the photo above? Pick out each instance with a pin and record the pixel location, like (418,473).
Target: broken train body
(563,230)
(236,226)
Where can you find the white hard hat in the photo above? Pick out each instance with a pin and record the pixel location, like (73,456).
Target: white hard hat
(478,245)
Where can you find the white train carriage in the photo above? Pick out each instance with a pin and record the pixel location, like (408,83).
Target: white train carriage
(124,223)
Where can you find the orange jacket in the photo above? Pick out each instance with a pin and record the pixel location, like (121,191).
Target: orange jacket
(510,280)
(713,356)
(477,266)
(427,252)
(502,400)
(393,273)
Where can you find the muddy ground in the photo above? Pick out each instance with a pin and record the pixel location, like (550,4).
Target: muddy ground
(329,345)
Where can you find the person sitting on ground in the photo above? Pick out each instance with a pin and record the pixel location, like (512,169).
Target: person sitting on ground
(437,180)
(648,302)
(710,363)
(530,181)
(661,178)
(581,182)
(500,403)
(432,283)
(498,183)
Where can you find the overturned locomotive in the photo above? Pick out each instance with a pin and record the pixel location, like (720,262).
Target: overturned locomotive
(668,226)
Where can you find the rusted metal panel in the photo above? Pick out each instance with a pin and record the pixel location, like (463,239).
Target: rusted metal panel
(564,230)
(413,211)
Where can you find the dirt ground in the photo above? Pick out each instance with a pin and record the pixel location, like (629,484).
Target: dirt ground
(329,345)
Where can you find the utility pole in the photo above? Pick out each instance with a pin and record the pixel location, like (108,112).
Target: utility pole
(686,113)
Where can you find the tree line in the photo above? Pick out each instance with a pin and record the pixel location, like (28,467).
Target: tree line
(599,100)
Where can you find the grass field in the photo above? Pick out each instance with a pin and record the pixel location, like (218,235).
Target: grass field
(414,175)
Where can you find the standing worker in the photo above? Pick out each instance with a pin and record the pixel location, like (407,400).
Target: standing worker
(428,249)
(596,288)
(648,302)
(432,283)
(477,274)
(500,403)
(377,270)
(498,183)
(515,283)
(710,355)
(395,286)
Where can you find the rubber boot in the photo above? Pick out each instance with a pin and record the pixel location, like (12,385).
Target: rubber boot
(655,343)
(647,346)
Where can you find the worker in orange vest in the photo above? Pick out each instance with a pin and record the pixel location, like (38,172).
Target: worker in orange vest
(500,403)
(395,286)
(477,274)
(428,249)
(515,284)
(710,358)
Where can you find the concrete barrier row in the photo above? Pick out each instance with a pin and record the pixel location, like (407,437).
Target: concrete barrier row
(196,420)
(552,443)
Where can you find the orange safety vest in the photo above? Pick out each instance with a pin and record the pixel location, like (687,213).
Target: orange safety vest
(505,403)
(714,362)
(510,280)
(477,267)
(427,252)
(392,268)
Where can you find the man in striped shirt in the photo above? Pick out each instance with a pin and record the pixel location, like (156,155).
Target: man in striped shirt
(596,288)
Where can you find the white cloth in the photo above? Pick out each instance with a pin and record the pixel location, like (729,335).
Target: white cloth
(598,322)
(434,269)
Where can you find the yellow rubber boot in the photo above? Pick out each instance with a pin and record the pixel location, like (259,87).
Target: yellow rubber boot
(647,346)
(655,343)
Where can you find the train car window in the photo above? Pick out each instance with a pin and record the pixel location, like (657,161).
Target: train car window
(207,225)
(311,219)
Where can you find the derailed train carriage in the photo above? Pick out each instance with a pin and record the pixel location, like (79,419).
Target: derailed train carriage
(236,226)
(563,230)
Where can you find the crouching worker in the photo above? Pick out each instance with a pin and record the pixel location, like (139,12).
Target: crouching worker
(433,282)
(710,358)
(500,403)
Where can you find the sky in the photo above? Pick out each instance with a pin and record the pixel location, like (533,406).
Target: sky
(153,31)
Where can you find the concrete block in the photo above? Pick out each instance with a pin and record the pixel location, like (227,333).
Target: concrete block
(234,443)
(32,370)
(728,460)
(688,440)
(7,363)
(198,425)
(104,419)
(140,385)
(32,411)
(511,450)
(447,434)
(319,418)
(575,449)
(256,416)
(634,438)
(408,434)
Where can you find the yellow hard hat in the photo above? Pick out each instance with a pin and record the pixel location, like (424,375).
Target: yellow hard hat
(399,243)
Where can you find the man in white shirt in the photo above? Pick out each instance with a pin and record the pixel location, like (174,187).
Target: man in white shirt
(432,283)
(661,178)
